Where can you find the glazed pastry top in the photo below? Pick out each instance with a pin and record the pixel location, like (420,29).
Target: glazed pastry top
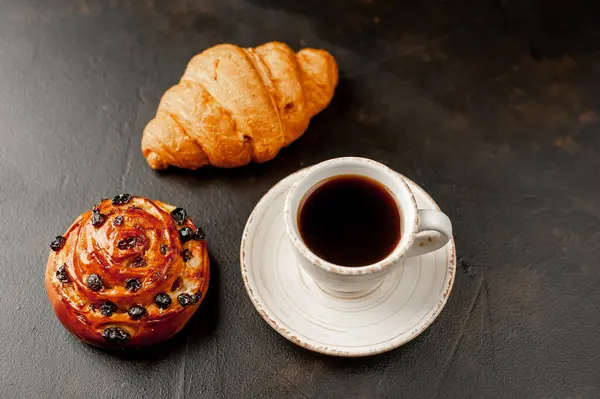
(125,267)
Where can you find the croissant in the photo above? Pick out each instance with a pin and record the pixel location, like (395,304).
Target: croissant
(236,105)
(130,272)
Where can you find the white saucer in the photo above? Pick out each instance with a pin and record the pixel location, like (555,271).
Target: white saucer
(401,308)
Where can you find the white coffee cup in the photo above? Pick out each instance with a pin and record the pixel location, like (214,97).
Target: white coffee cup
(347,281)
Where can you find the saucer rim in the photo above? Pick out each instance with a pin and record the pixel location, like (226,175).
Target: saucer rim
(325,350)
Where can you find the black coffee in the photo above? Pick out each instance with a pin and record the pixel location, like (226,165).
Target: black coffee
(349,220)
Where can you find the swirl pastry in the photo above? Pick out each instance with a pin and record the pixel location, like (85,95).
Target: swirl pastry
(234,105)
(130,272)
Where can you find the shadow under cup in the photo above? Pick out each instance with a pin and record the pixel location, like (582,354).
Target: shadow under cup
(341,280)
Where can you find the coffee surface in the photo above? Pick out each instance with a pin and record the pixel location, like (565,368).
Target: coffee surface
(349,220)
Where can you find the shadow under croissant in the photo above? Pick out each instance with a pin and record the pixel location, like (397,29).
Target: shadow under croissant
(202,325)
(211,172)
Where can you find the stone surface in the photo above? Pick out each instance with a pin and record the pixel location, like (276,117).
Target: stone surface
(491,106)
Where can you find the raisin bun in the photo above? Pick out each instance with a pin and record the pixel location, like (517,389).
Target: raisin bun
(130,272)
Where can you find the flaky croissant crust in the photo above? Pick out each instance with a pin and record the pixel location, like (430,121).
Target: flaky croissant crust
(236,105)
(120,256)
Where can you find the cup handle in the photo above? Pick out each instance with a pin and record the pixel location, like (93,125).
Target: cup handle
(431,220)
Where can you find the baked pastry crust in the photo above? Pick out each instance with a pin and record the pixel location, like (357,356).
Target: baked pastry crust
(121,255)
(236,105)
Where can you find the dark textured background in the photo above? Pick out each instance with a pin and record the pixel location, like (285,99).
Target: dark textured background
(490,105)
